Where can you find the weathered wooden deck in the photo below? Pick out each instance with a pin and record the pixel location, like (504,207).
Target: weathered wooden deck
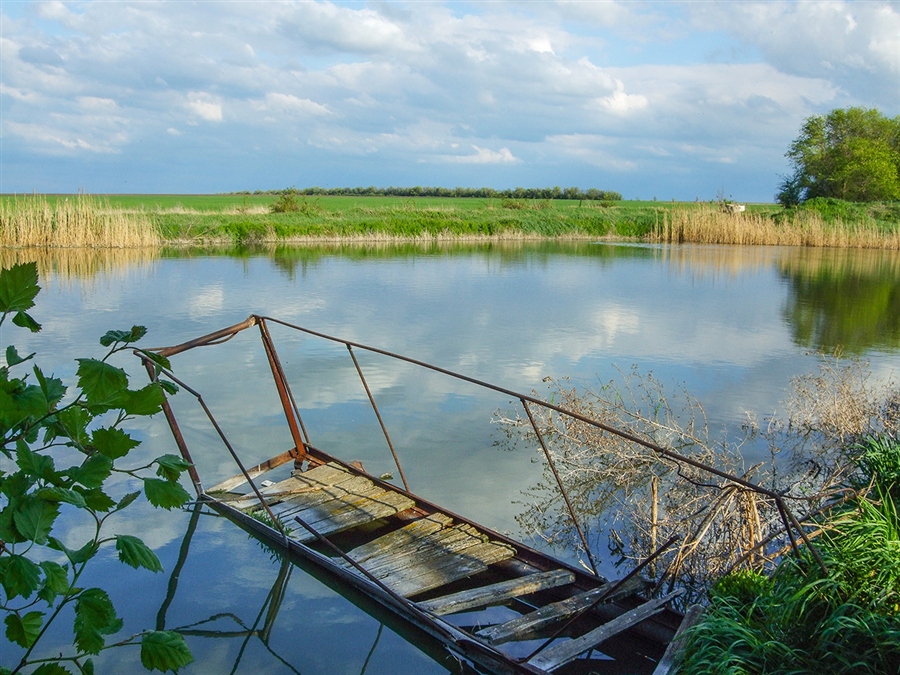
(418,552)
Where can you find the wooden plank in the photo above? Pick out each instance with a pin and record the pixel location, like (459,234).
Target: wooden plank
(496,594)
(419,551)
(561,653)
(443,570)
(337,515)
(531,624)
(311,497)
(236,481)
(319,478)
(401,538)
(672,656)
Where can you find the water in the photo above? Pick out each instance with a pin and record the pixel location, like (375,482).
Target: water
(732,324)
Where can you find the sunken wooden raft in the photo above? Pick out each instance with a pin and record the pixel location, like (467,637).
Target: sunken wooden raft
(424,555)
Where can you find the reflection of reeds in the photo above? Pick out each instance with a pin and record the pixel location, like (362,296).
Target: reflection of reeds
(79,221)
(82,264)
(840,264)
(800,228)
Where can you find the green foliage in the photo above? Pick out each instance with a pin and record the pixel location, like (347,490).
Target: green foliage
(803,619)
(61,457)
(851,154)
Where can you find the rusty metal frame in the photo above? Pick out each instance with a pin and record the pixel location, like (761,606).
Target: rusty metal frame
(788,519)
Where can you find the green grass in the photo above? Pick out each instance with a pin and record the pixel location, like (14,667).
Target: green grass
(806,620)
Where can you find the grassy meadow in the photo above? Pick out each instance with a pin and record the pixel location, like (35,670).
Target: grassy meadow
(198,220)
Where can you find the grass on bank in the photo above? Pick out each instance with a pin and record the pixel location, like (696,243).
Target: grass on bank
(141,220)
(802,619)
(79,221)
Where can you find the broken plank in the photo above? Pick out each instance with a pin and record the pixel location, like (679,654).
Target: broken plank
(418,551)
(531,624)
(672,655)
(398,539)
(311,497)
(561,653)
(498,593)
(337,516)
(415,579)
(236,481)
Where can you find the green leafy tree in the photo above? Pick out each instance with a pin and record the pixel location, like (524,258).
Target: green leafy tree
(63,448)
(851,154)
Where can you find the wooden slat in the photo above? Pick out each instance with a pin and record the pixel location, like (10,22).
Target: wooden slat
(418,578)
(496,594)
(672,655)
(427,554)
(398,539)
(338,515)
(531,624)
(308,497)
(238,480)
(561,653)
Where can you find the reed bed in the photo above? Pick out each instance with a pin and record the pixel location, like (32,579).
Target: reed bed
(711,225)
(77,222)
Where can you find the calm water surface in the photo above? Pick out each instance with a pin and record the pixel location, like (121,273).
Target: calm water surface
(731,324)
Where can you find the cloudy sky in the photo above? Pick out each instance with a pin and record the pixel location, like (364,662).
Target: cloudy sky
(652,99)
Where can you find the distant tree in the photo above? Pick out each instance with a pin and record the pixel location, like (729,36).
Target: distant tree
(851,154)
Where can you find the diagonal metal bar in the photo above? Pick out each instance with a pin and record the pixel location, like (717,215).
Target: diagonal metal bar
(384,430)
(559,483)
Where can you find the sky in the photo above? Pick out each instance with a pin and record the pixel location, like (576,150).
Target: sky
(666,100)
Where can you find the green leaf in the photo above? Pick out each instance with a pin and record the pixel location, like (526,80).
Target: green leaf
(127,500)
(34,519)
(13,358)
(134,552)
(93,471)
(164,650)
(77,557)
(51,669)
(113,443)
(145,401)
(18,287)
(52,387)
(95,617)
(73,423)
(158,359)
(19,576)
(169,387)
(56,581)
(87,668)
(165,494)
(25,320)
(24,630)
(97,499)
(35,464)
(171,467)
(101,382)
(58,494)
(133,335)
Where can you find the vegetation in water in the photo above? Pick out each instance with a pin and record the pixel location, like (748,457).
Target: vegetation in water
(844,619)
(65,448)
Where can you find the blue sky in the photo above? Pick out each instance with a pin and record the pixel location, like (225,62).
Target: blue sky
(678,100)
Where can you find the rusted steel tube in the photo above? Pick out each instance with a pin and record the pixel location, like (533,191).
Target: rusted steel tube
(176,430)
(562,489)
(211,338)
(384,430)
(291,413)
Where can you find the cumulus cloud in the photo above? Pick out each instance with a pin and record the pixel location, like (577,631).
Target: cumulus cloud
(484,156)
(399,87)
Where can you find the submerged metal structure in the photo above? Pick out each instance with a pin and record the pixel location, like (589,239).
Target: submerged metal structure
(432,567)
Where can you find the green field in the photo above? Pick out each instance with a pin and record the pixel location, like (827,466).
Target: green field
(249,218)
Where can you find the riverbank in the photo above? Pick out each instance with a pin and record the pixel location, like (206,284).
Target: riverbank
(202,220)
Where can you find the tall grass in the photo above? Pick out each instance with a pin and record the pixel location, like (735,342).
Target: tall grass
(711,225)
(72,222)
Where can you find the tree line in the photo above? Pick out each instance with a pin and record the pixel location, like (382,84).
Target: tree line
(555,192)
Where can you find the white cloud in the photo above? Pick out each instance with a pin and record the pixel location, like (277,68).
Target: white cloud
(484,156)
(205,106)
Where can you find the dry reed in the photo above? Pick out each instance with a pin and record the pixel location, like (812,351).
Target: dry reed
(75,222)
(799,228)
